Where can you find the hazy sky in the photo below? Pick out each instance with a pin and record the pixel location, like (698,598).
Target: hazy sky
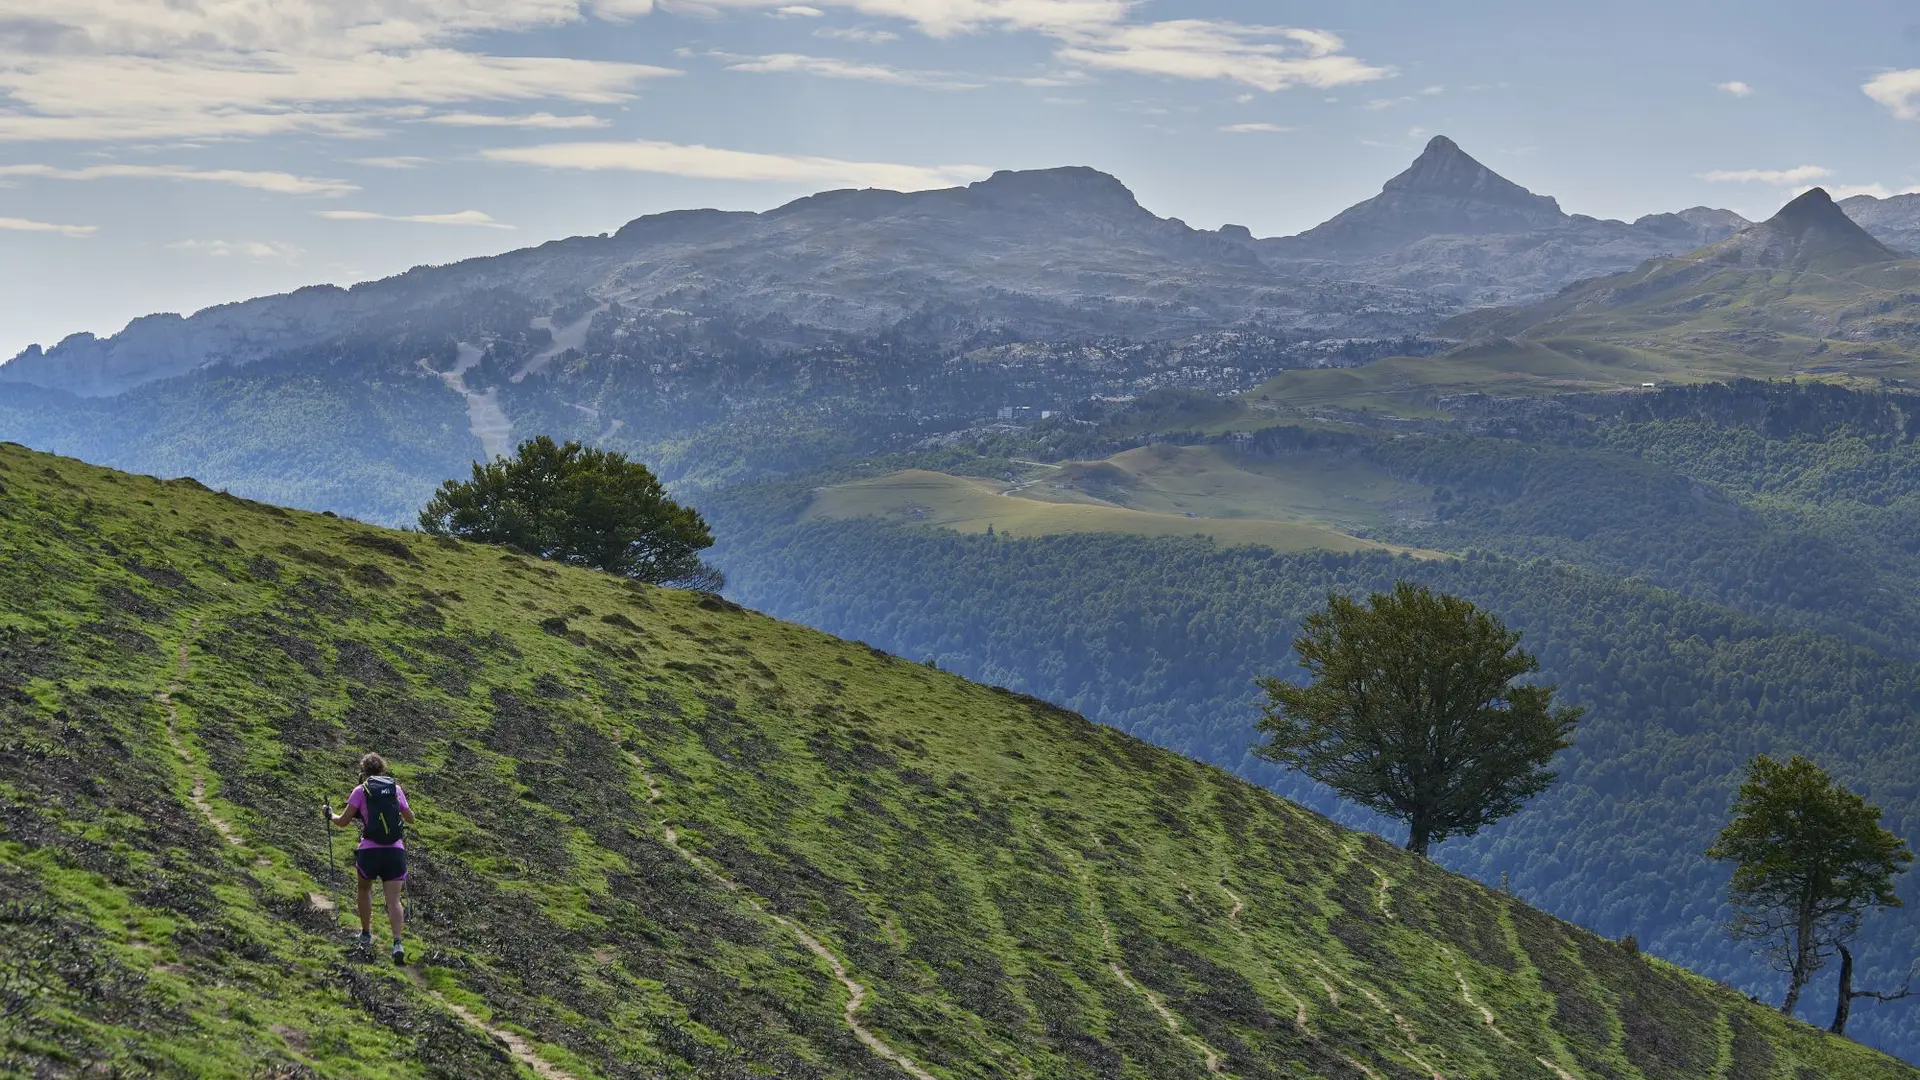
(169,155)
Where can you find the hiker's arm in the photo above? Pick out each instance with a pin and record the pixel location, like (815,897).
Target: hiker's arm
(406,814)
(341,819)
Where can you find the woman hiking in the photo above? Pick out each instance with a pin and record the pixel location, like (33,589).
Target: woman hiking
(380,806)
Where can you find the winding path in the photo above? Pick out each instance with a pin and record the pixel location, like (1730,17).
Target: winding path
(514,1044)
(856,993)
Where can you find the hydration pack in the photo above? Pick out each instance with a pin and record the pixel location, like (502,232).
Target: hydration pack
(383,824)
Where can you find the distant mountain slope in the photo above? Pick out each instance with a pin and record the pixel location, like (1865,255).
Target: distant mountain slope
(1807,288)
(1894,221)
(661,836)
(1450,225)
(1020,256)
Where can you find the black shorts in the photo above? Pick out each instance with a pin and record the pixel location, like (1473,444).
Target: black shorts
(381,863)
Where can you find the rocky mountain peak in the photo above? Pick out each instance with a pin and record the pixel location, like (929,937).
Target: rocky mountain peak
(1076,186)
(1445,169)
(1811,231)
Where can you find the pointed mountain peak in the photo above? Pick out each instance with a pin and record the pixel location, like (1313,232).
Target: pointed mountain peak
(1445,169)
(1812,207)
(1809,232)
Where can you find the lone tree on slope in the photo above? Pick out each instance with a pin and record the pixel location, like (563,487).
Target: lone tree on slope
(1413,713)
(1809,859)
(581,506)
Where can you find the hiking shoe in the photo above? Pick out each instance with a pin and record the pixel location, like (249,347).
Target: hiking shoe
(399,954)
(366,941)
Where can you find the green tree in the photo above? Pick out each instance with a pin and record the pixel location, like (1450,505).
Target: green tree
(1809,859)
(1413,712)
(577,505)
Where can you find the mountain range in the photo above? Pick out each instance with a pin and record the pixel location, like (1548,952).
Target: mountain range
(1022,256)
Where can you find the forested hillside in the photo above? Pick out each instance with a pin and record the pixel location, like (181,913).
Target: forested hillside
(1714,574)
(662,836)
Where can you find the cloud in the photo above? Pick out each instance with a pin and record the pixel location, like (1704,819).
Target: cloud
(1386,103)
(120,70)
(278,182)
(831,68)
(711,163)
(265,250)
(1097,34)
(866,37)
(1899,91)
(1264,57)
(461,217)
(1736,88)
(1250,129)
(1799,174)
(799,11)
(403,161)
(528,120)
(23,225)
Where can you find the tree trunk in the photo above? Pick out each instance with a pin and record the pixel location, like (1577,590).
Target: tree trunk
(1417,834)
(1845,1004)
(1802,969)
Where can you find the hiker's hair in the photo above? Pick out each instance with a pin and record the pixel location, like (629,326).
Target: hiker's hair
(372,765)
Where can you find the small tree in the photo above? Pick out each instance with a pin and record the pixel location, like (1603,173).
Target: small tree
(1810,858)
(581,506)
(1413,712)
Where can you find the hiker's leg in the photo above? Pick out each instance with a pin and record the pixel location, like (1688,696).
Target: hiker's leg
(364,903)
(395,917)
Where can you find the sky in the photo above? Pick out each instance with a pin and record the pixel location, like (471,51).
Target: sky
(166,155)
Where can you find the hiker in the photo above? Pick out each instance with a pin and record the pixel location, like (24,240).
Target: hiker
(380,805)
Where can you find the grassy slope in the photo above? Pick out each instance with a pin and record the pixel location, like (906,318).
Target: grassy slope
(1017,892)
(1232,505)
(1666,322)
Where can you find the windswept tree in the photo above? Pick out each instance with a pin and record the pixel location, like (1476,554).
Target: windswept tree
(1413,712)
(1809,859)
(577,505)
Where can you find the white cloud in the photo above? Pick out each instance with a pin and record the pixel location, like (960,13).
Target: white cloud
(279,182)
(866,37)
(528,120)
(1899,91)
(799,11)
(1385,103)
(461,217)
(402,161)
(1265,57)
(1736,88)
(711,163)
(832,68)
(117,70)
(1799,174)
(1250,129)
(23,225)
(1432,91)
(265,250)
(945,18)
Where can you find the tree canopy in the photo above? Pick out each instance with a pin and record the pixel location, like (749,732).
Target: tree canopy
(577,505)
(1810,858)
(1413,712)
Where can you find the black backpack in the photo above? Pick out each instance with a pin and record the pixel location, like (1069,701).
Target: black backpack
(383,824)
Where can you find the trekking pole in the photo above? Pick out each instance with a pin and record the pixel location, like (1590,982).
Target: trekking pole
(334,867)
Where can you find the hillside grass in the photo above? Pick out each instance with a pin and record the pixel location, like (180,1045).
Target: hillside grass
(1176,492)
(637,808)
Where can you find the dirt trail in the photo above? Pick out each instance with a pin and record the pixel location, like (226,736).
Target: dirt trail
(521,1050)
(320,901)
(1215,1063)
(1492,1022)
(1386,908)
(856,993)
